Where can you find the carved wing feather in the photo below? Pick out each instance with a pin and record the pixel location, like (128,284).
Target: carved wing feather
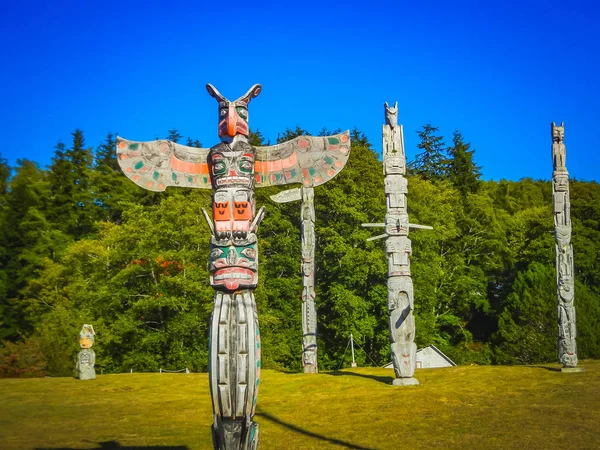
(154,165)
(309,160)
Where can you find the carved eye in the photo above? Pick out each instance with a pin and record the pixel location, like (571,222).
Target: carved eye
(243,113)
(249,253)
(219,167)
(223,112)
(245,165)
(216,252)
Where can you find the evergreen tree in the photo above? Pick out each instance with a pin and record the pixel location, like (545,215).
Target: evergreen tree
(327,132)
(462,170)
(5,172)
(28,239)
(193,143)
(484,278)
(73,209)
(256,138)
(174,135)
(105,158)
(432,163)
(61,187)
(291,134)
(527,327)
(5,255)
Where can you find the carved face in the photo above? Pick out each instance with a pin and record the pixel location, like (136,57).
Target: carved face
(394,165)
(561,182)
(391,114)
(233,119)
(86,341)
(396,224)
(558,133)
(233,116)
(563,234)
(232,168)
(86,336)
(233,266)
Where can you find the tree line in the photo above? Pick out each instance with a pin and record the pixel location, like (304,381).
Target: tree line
(80,243)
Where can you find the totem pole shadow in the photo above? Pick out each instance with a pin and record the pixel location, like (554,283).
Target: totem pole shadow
(114,445)
(384,380)
(552,369)
(297,429)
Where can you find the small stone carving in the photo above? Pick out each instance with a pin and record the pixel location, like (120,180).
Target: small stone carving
(565,283)
(87,357)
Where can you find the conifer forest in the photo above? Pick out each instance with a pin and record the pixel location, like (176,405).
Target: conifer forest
(80,243)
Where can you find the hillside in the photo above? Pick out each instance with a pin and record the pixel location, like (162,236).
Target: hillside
(492,407)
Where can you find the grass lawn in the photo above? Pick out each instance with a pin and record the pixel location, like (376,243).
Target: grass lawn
(477,407)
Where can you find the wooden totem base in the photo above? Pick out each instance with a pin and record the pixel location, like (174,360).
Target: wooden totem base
(571,369)
(405,382)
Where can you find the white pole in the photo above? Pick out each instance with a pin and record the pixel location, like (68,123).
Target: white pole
(352,346)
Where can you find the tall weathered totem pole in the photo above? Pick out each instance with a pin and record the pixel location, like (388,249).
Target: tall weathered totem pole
(86,359)
(398,249)
(309,311)
(565,283)
(232,169)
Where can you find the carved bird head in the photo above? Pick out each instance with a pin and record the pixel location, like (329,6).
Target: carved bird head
(233,115)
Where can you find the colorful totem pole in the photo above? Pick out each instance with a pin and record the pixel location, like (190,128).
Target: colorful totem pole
(309,311)
(87,357)
(565,283)
(232,169)
(398,249)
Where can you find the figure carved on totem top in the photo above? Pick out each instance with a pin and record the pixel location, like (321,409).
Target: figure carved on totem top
(391,115)
(565,283)
(398,250)
(232,169)
(559,152)
(86,359)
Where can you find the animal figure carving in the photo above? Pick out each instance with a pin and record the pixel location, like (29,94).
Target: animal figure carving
(233,169)
(398,249)
(565,284)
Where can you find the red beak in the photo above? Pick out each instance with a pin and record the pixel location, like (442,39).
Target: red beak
(231,121)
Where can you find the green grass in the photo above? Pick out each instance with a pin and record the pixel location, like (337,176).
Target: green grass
(478,407)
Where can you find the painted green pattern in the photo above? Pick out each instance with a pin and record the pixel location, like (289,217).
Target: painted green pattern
(312,171)
(333,140)
(133,146)
(139,165)
(329,160)
(174,176)
(156,175)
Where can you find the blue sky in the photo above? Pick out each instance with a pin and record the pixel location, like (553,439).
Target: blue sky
(499,72)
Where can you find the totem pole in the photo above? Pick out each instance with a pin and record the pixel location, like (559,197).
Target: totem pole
(567,333)
(309,311)
(232,169)
(398,249)
(87,357)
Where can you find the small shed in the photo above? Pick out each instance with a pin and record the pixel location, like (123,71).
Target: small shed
(428,358)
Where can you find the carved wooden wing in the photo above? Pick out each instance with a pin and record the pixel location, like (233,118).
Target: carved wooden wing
(309,160)
(154,165)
